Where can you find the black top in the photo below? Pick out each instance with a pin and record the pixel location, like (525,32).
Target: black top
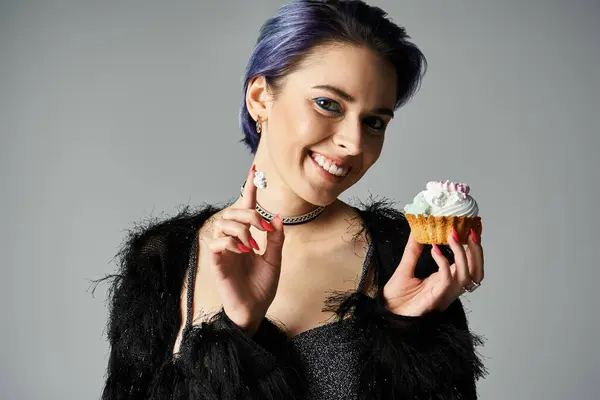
(366,353)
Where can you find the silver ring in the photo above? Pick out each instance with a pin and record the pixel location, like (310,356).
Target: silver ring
(472,287)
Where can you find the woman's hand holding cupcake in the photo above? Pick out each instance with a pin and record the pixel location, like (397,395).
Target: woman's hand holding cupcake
(442,214)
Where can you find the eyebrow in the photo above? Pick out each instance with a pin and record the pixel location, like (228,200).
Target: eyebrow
(350,99)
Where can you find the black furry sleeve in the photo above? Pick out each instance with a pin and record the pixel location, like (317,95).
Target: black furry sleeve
(217,360)
(428,357)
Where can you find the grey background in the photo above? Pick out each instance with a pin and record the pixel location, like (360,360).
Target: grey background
(111,111)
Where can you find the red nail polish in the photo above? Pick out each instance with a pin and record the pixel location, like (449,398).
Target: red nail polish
(254,244)
(455,235)
(243,248)
(474,236)
(267,225)
(436,249)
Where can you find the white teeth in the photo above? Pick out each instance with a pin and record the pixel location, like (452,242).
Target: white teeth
(330,167)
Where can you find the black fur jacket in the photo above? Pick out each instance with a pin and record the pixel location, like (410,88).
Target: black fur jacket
(429,357)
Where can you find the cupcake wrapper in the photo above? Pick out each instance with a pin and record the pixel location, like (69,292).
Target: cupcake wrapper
(430,230)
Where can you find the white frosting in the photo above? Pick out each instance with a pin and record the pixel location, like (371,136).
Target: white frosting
(444,199)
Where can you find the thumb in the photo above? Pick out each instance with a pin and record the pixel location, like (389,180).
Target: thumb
(275,240)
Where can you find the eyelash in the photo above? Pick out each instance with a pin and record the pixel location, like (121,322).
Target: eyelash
(320,100)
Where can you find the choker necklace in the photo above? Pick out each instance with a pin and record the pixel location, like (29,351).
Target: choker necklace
(300,219)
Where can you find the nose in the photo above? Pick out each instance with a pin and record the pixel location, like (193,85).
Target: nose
(349,137)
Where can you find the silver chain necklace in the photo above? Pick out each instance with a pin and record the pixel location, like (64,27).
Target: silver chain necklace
(300,219)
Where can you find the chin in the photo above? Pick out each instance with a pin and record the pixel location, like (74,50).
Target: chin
(320,197)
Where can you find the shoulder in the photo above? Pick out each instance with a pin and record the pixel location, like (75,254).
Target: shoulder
(385,225)
(380,215)
(154,250)
(378,218)
(152,235)
(163,236)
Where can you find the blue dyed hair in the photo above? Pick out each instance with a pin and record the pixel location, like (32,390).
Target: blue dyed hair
(301,25)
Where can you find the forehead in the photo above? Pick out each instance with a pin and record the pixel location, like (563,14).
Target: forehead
(355,69)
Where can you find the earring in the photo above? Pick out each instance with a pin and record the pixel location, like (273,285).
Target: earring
(258,126)
(259,180)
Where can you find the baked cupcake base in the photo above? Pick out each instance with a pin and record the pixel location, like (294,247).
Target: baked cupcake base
(430,229)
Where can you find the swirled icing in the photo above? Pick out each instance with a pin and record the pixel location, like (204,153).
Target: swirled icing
(444,198)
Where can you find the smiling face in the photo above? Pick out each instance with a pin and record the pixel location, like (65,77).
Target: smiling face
(331,110)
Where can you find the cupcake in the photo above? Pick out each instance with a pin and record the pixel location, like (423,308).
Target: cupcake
(440,207)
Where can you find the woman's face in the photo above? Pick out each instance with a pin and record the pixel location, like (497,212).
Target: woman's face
(333,109)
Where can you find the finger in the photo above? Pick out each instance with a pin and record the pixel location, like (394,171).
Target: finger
(246,216)
(475,256)
(249,194)
(227,227)
(445,269)
(220,245)
(441,281)
(218,249)
(410,256)
(275,239)
(460,258)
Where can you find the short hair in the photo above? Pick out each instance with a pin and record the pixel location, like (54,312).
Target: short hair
(301,25)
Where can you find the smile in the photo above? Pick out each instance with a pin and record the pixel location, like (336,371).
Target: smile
(329,165)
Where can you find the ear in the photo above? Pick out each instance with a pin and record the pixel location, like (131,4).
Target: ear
(257,98)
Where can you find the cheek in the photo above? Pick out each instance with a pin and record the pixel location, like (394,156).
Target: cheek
(375,153)
(299,125)
(371,154)
(283,126)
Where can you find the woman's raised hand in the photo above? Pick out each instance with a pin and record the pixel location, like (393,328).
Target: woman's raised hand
(405,294)
(246,280)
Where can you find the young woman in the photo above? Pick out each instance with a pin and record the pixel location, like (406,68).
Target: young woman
(288,292)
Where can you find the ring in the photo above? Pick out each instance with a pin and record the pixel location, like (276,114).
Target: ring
(472,287)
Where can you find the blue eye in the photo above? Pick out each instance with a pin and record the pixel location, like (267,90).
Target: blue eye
(328,104)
